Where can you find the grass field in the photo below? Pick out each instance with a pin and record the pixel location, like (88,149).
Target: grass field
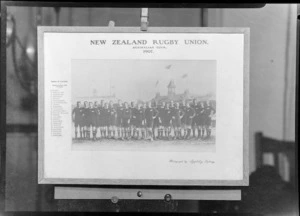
(191,145)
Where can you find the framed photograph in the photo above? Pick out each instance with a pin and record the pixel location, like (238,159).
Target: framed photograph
(121,106)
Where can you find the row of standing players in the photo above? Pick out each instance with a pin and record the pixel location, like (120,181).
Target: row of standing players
(142,121)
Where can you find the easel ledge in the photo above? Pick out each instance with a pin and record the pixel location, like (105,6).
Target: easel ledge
(61,192)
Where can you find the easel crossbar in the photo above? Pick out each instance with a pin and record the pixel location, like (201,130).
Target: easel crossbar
(144,194)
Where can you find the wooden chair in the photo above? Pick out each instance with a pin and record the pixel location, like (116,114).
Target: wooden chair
(265,145)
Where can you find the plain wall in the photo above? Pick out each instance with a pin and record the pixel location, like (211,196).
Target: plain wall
(272,37)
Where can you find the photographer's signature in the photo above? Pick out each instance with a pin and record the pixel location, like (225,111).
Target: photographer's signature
(191,161)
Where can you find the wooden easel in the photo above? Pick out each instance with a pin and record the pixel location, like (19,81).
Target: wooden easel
(116,194)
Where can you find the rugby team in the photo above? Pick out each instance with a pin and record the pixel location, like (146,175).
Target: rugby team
(143,121)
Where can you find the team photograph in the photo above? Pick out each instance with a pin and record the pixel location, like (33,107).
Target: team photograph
(144,104)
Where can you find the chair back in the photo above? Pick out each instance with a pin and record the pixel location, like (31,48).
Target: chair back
(276,147)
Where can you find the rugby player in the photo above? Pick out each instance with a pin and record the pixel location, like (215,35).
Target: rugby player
(150,115)
(160,116)
(177,114)
(112,120)
(119,125)
(208,112)
(194,121)
(126,116)
(190,114)
(85,119)
(167,121)
(77,118)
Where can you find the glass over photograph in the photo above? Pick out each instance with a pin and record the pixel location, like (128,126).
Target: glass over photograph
(144,105)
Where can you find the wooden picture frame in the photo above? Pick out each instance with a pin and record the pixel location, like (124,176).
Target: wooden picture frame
(44,164)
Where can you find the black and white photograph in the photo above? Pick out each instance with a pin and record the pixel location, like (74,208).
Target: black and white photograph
(121,97)
(144,105)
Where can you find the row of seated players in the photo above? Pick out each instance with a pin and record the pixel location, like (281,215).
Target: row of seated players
(151,122)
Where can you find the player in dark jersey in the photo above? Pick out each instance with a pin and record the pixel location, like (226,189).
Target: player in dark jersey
(172,105)
(200,122)
(135,122)
(190,114)
(194,121)
(208,112)
(120,109)
(96,127)
(112,120)
(104,116)
(155,122)
(213,115)
(91,121)
(85,119)
(139,121)
(172,108)
(154,133)
(150,115)
(126,116)
(177,114)
(160,116)
(99,120)
(143,127)
(96,117)
(77,118)
(167,121)
(102,103)
(133,119)
(183,132)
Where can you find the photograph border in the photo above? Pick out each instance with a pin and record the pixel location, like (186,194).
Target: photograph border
(42,179)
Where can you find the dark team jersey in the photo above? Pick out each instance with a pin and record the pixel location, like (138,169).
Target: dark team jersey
(112,111)
(202,109)
(173,111)
(208,110)
(193,105)
(120,111)
(172,108)
(198,110)
(93,112)
(183,109)
(78,113)
(134,112)
(143,114)
(99,110)
(85,112)
(177,113)
(105,113)
(167,114)
(150,113)
(189,112)
(90,114)
(140,114)
(161,111)
(126,113)
(115,106)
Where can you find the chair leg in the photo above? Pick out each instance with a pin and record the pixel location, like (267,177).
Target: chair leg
(258,151)
(276,161)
